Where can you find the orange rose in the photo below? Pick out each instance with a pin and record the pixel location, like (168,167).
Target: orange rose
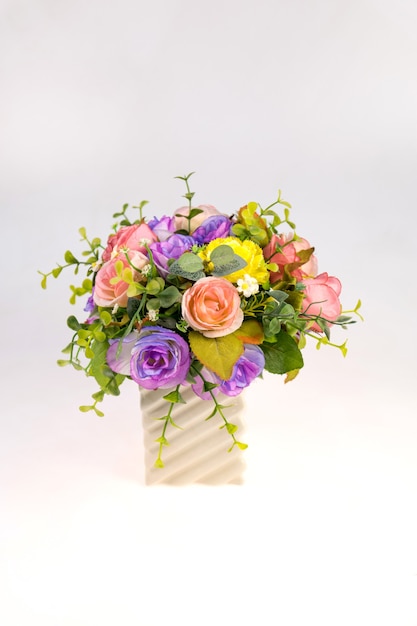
(212,306)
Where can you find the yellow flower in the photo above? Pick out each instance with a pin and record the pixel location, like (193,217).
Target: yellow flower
(256,265)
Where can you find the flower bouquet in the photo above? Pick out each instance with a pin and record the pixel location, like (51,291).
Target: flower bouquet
(198,300)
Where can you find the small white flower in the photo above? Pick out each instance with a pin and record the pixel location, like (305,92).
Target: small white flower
(115,308)
(146,269)
(114,252)
(145,242)
(153,315)
(247,286)
(96,266)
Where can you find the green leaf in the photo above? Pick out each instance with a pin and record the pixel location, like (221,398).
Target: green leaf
(283,356)
(159,463)
(85,409)
(82,232)
(250,332)
(231,428)
(98,367)
(73,323)
(279,296)
(69,257)
(193,212)
(43,282)
(153,287)
(207,386)
(291,375)
(63,362)
(169,296)
(56,271)
(226,261)
(105,317)
(99,335)
(189,265)
(162,440)
(218,354)
(175,397)
(133,305)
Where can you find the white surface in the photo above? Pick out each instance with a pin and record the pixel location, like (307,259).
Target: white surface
(104,104)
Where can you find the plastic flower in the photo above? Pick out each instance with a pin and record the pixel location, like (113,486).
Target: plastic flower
(256,266)
(131,237)
(288,249)
(160,358)
(321,297)
(171,248)
(108,294)
(248,367)
(212,306)
(212,228)
(163,227)
(118,356)
(182,223)
(247,286)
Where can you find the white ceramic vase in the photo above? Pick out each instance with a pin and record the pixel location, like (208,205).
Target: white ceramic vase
(198,452)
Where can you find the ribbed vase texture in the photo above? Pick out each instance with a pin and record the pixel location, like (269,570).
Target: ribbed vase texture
(198,452)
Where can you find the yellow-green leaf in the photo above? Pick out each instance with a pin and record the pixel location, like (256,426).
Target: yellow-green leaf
(218,354)
(291,375)
(251,331)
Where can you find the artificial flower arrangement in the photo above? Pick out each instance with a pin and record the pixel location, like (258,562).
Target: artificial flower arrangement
(198,298)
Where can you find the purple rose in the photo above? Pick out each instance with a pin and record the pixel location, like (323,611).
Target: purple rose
(172,248)
(160,358)
(245,370)
(198,386)
(120,363)
(214,227)
(163,228)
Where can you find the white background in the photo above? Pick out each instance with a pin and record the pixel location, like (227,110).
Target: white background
(104,103)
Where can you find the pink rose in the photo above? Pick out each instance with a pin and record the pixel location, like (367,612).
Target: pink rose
(321,297)
(106,294)
(181,223)
(212,306)
(130,237)
(289,255)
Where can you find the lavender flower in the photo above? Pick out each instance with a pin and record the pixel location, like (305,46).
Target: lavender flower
(120,363)
(163,227)
(160,358)
(214,227)
(245,370)
(172,248)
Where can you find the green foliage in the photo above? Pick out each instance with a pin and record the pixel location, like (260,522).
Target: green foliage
(189,265)
(282,356)
(219,354)
(226,261)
